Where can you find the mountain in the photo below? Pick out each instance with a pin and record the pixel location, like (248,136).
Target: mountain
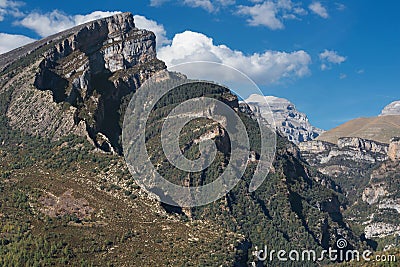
(289,121)
(367,172)
(75,82)
(381,129)
(391,109)
(64,201)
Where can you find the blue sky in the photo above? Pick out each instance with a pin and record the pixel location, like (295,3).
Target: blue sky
(335,60)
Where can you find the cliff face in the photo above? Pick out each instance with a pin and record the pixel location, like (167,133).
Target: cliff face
(289,121)
(347,151)
(394,149)
(76,82)
(367,171)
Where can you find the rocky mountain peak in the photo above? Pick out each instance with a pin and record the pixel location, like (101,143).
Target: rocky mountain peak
(391,109)
(79,80)
(288,120)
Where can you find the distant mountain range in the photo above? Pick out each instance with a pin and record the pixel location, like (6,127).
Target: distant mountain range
(381,128)
(68,194)
(363,157)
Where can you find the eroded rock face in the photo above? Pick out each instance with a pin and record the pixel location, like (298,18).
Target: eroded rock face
(289,121)
(394,149)
(360,144)
(381,230)
(348,149)
(78,81)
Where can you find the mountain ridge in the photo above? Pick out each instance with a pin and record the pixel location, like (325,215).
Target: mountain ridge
(283,114)
(56,75)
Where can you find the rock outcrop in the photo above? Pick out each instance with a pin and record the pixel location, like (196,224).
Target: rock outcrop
(394,149)
(391,109)
(78,81)
(366,175)
(348,149)
(283,114)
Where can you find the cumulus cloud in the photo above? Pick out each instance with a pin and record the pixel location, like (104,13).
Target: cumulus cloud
(56,21)
(264,14)
(158,29)
(332,57)
(265,68)
(319,9)
(10,41)
(8,7)
(329,57)
(271,13)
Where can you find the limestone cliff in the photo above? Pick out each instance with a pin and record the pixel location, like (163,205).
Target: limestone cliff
(367,171)
(77,81)
(287,119)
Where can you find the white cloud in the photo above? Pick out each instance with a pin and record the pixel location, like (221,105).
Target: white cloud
(319,9)
(158,29)
(208,5)
(342,76)
(226,2)
(10,41)
(56,21)
(265,68)
(329,57)
(332,57)
(157,3)
(271,13)
(205,4)
(361,71)
(264,14)
(9,7)
(340,6)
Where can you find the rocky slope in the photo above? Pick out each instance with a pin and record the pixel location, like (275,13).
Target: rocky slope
(74,82)
(367,171)
(71,205)
(391,109)
(289,121)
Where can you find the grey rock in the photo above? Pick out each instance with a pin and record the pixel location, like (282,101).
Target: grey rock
(283,115)
(75,82)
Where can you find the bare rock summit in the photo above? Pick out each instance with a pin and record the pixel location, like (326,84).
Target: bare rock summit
(286,118)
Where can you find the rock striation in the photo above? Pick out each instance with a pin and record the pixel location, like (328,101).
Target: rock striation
(78,81)
(363,170)
(284,115)
(351,149)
